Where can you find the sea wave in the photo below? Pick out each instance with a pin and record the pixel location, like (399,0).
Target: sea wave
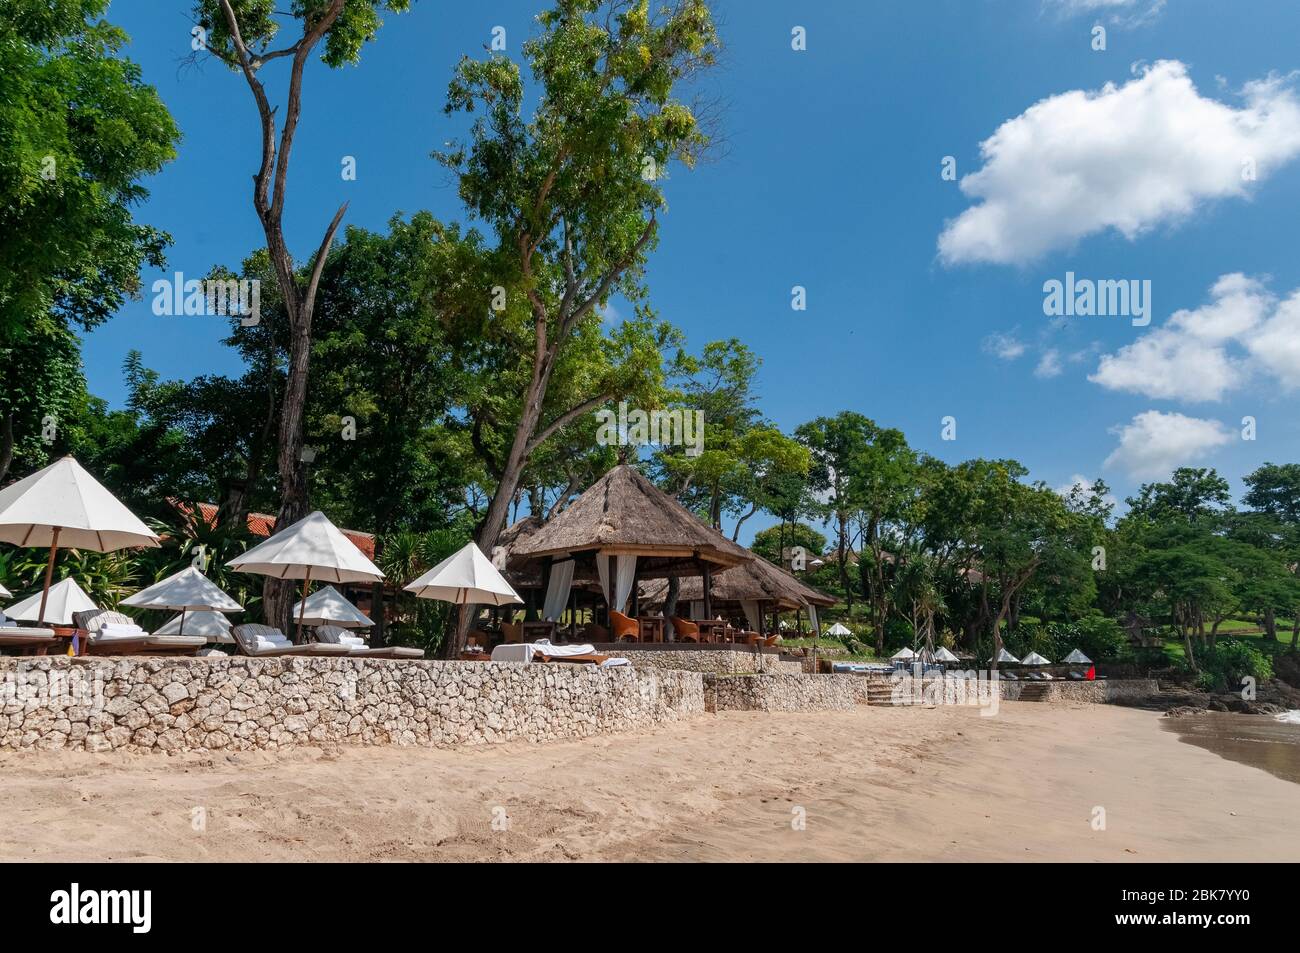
(1290,717)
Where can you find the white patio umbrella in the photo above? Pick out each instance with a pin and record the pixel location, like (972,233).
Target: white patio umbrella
(943,655)
(902,655)
(1077,658)
(5,593)
(1033,658)
(839,629)
(1005,656)
(212,625)
(312,548)
(328,607)
(186,591)
(466,577)
(63,505)
(54,606)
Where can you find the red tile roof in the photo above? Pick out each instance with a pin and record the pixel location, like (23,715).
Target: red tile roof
(260,524)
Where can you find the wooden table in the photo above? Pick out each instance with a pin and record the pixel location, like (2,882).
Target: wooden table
(533,631)
(652,628)
(715,631)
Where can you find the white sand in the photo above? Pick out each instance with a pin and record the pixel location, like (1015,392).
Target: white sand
(875,783)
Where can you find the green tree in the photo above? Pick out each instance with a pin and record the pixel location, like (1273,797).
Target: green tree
(79,129)
(573,192)
(769,543)
(242,34)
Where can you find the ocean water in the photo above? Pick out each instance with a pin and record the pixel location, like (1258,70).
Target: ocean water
(1270,742)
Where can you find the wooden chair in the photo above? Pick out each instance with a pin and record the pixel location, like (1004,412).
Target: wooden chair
(686,631)
(513,632)
(625,627)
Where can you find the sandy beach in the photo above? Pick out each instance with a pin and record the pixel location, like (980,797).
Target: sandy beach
(872,784)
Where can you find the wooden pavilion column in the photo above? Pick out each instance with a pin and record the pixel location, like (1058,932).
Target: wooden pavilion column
(708,592)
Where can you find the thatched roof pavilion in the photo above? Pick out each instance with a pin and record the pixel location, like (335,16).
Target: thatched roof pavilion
(624,514)
(755,581)
(623,529)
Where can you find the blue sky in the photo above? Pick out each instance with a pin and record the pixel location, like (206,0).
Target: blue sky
(830,179)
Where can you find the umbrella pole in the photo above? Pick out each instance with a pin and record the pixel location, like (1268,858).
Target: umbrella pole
(182,631)
(49,575)
(302,606)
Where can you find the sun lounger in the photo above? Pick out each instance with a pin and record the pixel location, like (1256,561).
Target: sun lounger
(336,635)
(264,641)
(1008,676)
(29,640)
(544,651)
(102,625)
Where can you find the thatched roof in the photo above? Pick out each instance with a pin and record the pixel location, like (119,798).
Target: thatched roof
(623,513)
(757,580)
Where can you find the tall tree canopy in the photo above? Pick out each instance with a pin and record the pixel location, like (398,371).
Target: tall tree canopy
(79,130)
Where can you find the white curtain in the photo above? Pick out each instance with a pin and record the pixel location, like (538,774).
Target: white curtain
(602,570)
(623,581)
(557,590)
(812,617)
(752,613)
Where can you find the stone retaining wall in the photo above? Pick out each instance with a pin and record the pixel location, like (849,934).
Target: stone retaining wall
(783,692)
(710,661)
(976,691)
(192,704)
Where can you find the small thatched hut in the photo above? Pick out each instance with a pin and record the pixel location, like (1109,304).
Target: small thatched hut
(753,587)
(623,529)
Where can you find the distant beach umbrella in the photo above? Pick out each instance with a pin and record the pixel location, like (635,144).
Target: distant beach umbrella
(1033,658)
(213,626)
(63,505)
(466,577)
(943,655)
(328,607)
(54,606)
(839,629)
(312,548)
(1077,658)
(902,655)
(1005,656)
(5,593)
(186,591)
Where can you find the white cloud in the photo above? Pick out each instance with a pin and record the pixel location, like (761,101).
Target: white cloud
(1125,158)
(1203,353)
(1275,343)
(1132,12)
(1154,444)
(1004,346)
(1049,365)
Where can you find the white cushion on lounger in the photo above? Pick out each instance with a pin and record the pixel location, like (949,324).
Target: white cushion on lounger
(524,651)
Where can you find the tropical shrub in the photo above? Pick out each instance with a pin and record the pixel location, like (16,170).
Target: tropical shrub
(1223,666)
